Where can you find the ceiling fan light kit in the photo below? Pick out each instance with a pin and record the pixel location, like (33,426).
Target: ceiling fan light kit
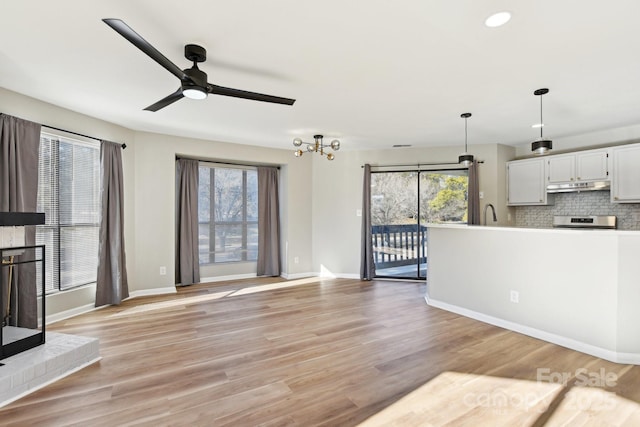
(193,81)
(541,145)
(465,159)
(316,147)
(194,92)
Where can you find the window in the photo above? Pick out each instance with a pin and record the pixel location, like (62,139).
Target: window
(69,195)
(227,214)
(402,203)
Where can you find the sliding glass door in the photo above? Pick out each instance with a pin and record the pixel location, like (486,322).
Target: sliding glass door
(402,203)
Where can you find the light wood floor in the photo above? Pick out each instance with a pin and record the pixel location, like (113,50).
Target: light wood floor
(333,352)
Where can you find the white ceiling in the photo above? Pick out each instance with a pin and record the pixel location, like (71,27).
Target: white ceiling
(372,73)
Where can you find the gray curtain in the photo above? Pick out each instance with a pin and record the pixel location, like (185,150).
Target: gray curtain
(473,198)
(268,222)
(111,284)
(19,150)
(367,266)
(187,260)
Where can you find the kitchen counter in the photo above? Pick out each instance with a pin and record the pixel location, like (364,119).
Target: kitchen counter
(576,288)
(536,230)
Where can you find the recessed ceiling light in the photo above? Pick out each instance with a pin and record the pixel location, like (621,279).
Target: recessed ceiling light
(537,125)
(497,19)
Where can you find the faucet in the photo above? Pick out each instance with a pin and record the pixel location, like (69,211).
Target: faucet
(489,205)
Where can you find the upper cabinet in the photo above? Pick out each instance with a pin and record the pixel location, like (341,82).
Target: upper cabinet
(527,179)
(561,168)
(591,165)
(625,180)
(526,182)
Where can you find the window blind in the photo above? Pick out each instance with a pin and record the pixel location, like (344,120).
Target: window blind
(69,195)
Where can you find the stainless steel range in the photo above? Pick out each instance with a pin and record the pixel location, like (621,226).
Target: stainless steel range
(607,222)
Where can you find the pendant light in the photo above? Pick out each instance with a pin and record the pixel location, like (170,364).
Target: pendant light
(465,159)
(541,146)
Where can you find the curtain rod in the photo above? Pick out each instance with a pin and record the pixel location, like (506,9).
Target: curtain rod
(224,163)
(419,164)
(123,145)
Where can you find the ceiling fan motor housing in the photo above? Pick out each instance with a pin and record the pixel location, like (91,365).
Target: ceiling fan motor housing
(198,78)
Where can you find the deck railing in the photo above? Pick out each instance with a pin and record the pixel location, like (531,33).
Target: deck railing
(397,245)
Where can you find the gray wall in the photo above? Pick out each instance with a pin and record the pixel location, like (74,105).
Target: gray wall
(31,109)
(155,204)
(149,174)
(319,198)
(337,195)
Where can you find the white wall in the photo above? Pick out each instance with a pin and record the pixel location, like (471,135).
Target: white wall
(585,305)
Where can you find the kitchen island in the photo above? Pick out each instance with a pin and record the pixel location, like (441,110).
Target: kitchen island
(576,288)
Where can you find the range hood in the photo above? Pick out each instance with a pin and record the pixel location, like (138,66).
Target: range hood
(568,187)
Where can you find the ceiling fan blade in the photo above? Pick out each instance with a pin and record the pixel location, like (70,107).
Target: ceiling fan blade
(237,93)
(175,96)
(136,39)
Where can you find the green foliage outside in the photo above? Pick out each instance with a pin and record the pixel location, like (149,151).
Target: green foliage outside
(450,201)
(394,197)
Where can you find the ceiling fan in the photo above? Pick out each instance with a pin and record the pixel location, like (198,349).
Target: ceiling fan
(193,81)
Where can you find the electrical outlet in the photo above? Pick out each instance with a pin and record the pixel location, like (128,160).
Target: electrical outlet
(163,271)
(515,296)
(358,212)
(296,260)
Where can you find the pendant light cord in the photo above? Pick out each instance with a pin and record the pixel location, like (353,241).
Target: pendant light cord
(541,122)
(465,134)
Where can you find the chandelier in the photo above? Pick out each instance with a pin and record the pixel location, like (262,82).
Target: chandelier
(316,147)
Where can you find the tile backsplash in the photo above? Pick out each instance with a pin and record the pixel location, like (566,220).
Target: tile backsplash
(584,203)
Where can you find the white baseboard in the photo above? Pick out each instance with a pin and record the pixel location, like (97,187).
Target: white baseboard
(322,275)
(287,276)
(345,276)
(603,353)
(295,276)
(227,278)
(63,315)
(154,291)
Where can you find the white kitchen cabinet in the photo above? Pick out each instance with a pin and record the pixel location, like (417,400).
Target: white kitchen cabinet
(526,184)
(590,165)
(561,168)
(625,179)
